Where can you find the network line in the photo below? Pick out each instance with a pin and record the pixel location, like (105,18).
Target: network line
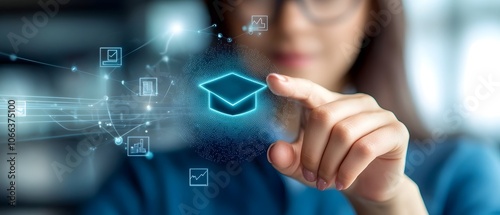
(67,108)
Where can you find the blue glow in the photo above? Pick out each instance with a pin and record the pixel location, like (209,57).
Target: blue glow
(118,140)
(110,56)
(237,97)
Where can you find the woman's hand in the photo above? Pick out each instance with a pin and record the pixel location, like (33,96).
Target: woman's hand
(347,142)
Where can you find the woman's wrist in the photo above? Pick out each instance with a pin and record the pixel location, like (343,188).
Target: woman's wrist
(407,200)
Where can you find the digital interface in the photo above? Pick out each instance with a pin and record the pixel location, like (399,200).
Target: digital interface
(249,107)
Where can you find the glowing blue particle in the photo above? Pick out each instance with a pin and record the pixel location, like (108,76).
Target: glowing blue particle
(219,35)
(214,25)
(106,77)
(148,107)
(74,69)
(149,155)
(106,98)
(199,31)
(244,28)
(147,123)
(165,59)
(118,140)
(13,57)
(123,82)
(229,39)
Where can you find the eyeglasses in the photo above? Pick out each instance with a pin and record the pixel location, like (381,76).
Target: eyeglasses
(319,11)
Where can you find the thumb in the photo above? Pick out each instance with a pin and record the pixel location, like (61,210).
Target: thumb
(285,157)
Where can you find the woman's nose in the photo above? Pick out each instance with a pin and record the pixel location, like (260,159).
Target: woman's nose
(291,19)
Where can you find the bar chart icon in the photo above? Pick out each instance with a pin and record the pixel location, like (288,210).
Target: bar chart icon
(137,145)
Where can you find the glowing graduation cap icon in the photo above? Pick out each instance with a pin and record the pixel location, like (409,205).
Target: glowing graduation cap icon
(232,94)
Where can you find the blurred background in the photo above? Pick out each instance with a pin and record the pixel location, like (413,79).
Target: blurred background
(452,58)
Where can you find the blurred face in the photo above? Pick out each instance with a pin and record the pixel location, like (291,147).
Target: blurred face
(313,39)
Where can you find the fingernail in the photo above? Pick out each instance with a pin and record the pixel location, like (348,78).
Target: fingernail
(279,77)
(308,175)
(339,186)
(268,150)
(321,184)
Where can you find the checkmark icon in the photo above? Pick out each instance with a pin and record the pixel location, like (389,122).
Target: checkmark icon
(110,56)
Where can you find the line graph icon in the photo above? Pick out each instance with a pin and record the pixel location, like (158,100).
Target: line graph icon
(198,177)
(259,23)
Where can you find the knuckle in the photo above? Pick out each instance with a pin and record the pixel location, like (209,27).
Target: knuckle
(344,132)
(401,129)
(365,149)
(345,177)
(368,99)
(390,114)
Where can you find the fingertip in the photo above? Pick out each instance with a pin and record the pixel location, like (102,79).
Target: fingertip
(268,150)
(280,154)
(276,83)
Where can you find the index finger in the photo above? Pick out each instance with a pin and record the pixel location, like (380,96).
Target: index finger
(308,93)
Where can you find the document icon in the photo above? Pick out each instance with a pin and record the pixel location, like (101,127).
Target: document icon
(110,56)
(198,177)
(148,86)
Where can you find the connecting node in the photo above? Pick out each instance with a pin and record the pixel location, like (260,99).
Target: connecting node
(176,28)
(118,140)
(13,57)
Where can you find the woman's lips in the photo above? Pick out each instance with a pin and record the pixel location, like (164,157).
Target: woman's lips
(292,60)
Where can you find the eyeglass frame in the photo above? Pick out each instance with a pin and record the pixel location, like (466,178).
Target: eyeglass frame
(308,13)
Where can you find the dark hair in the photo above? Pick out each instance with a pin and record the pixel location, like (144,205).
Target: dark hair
(379,69)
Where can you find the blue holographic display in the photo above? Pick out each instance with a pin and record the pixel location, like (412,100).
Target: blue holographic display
(232,94)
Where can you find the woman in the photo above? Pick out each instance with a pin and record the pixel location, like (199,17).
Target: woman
(351,149)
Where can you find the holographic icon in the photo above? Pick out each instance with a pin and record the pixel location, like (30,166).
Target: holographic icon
(148,86)
(110,56)
(198,177)
(259,23)
(20,108)
(232,94)
(137,145)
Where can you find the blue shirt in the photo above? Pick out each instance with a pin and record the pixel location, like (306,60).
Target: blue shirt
(454,177)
